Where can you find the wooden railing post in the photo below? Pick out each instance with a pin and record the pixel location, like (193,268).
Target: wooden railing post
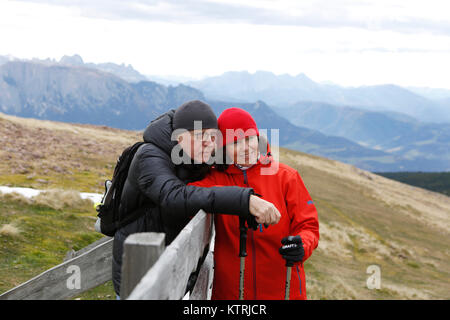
(168,277)
(140,252)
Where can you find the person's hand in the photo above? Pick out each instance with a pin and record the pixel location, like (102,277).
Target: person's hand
(292,250)
(263,211)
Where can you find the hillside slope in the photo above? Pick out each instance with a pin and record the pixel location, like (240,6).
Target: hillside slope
(42,154)
(365,219)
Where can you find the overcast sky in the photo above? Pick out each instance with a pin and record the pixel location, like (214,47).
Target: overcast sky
(349,42)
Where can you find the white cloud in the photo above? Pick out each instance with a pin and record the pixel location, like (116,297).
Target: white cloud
(399,15)
(350,45)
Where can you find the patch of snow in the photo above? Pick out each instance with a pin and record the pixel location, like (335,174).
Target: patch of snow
(29,193)
(26,192)
(94,197)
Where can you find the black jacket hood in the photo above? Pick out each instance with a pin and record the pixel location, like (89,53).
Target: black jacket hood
(159,132)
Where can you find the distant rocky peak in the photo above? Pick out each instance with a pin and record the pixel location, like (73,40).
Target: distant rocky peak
(74,60)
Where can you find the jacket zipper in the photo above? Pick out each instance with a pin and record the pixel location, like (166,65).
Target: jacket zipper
(245,177)
(252,239)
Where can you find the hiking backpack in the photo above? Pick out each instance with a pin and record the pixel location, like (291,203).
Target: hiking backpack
(109,220)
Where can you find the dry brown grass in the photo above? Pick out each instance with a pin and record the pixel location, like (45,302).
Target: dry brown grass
(85,131)
(428,207)
(9,230)
(46,154)
(16,197)
(407,293)
(59,199)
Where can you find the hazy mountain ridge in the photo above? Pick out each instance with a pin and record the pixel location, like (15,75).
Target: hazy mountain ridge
(431,93)
(286,90)
(126,72)
(392,133)
(332,146)
(84,95)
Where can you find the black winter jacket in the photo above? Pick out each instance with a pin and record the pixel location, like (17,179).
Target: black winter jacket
(159,186)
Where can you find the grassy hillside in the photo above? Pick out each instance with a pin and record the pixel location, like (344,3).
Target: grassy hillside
(36,235)
(367,219)
(364,218)
(434,181)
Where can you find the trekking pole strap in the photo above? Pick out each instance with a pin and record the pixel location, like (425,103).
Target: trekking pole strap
(242,238)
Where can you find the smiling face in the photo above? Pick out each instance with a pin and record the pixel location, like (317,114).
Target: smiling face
(198,144)
(244,151)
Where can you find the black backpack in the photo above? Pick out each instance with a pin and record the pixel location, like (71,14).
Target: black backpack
(109,220)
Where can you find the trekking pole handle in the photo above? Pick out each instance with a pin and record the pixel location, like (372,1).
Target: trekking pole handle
(242,238)
(289,263)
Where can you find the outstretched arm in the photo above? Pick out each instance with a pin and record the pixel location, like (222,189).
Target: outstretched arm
(157,180)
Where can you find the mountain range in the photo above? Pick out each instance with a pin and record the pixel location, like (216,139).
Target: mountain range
(72,91)
(126,72)
(84,95)
(286,90)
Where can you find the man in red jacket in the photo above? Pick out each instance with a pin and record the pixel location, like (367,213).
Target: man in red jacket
(293,239)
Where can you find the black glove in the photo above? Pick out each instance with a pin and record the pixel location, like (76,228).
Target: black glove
(292,250)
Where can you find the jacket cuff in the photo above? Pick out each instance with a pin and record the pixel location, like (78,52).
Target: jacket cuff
(232,200)
(245,211)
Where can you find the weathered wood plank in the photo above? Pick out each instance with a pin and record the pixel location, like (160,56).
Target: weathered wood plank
(140,252)
(203,285)
(68,279)
(168,277)
(72,253)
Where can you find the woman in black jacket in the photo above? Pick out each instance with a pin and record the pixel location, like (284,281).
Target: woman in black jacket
(155,183)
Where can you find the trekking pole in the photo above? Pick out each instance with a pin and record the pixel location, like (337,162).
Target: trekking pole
(287,288)
(242,255)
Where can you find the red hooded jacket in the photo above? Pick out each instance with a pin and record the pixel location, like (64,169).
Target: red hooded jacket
(265,270)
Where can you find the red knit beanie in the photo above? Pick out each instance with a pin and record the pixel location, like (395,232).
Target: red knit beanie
(238,120)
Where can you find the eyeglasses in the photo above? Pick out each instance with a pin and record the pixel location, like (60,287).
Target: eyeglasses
(205,136)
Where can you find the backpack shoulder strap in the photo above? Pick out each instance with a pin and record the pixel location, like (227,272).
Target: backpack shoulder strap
(121,170)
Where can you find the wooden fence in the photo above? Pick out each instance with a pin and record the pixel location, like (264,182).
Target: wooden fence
(184,269)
